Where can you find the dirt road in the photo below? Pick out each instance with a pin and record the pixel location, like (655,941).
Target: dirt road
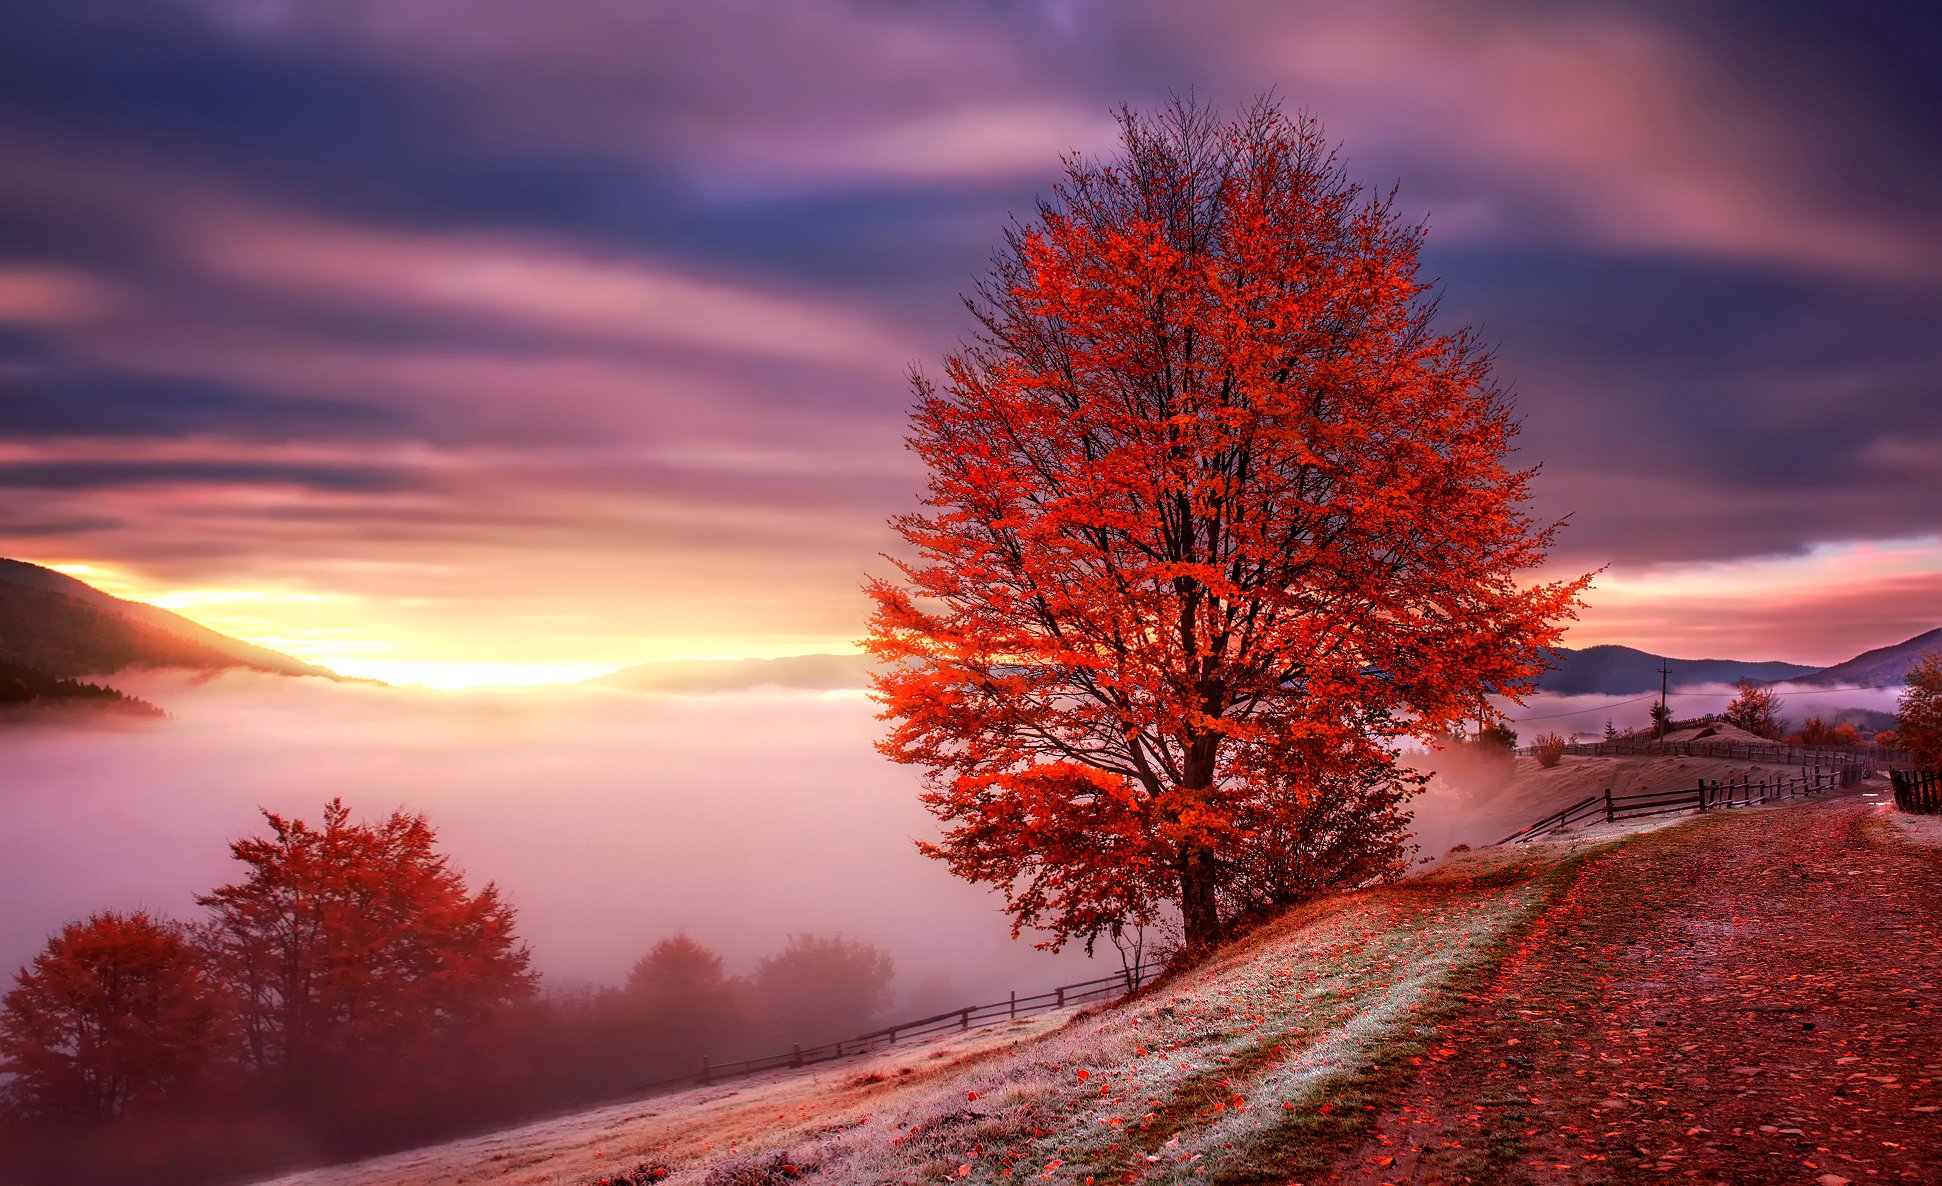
(1752,998)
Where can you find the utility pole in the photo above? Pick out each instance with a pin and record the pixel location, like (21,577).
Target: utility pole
(1665,672)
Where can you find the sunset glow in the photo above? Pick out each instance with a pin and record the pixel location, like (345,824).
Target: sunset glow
(857,591)
(582,380)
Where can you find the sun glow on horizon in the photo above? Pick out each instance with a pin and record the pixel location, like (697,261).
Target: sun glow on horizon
(479,639)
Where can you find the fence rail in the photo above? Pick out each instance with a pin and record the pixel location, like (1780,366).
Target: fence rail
(970,1017)
(1918,791)
(1713,795)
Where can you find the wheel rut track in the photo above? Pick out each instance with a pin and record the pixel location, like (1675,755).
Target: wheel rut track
(1746,998)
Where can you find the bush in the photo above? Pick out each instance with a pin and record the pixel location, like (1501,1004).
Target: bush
(1550,750)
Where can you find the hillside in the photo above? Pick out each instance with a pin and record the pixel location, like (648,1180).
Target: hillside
(1474,799)
(1624,671)
(1883,667)
(1705,999)
(63,627)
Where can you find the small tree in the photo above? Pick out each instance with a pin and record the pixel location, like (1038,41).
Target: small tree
(681,1003)
(1550,750)
(1918,718)
(1661,720)
(820,987)
(119,1010)
(1611,731)
(1757,710)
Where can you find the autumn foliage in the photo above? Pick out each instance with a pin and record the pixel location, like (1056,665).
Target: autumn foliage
(358,951)
(1918,722)
(1550,749)
(1818,733)
(347,992)
(1756,708)
(1217,518)
(117,1012)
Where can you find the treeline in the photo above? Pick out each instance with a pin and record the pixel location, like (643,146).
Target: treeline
(348,994)
(1756,709)
(27,687)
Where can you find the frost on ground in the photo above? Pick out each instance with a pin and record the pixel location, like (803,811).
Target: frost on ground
(1922,829)
(1244,1068)
(1219,1067)
(1478,800)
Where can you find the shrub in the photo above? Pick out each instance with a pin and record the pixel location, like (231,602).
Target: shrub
(1550,750)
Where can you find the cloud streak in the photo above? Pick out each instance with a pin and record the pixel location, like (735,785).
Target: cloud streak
(607,306)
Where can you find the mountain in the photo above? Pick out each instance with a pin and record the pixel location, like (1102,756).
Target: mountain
(61,627)
(1623,671)
(1883,667)
(817,673)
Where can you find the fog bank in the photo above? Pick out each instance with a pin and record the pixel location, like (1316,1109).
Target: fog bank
(611,819)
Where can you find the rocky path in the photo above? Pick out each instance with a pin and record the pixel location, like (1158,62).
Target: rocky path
(1752,998)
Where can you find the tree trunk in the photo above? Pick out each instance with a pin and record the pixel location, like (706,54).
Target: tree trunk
(1199,910)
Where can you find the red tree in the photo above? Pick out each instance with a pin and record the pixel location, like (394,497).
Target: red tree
(682,1004)
(118,1010)
(359,952)
(1756,709)
(820,987)
(1216,518)
(1918,723)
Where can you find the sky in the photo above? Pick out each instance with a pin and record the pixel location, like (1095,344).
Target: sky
(490,342)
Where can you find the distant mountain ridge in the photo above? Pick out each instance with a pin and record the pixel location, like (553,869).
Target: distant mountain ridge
(813,673)
(1625,671)
(61,627)
(1605,670)
(1883,667)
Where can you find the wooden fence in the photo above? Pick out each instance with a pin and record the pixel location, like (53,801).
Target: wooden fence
(1918,791)
(1703,796)
(970,1017)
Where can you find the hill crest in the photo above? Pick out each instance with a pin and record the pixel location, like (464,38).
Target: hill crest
(63,627)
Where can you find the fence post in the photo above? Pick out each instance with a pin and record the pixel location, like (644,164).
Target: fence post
(704,1069)
(1608,805)
(1702,795)
(795,1060)
(964,1019)
(1061,1003)
(1014,1003)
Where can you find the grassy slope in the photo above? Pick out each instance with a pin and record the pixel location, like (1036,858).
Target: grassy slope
(1228,1073)
(1477,802)
(1257,1066)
